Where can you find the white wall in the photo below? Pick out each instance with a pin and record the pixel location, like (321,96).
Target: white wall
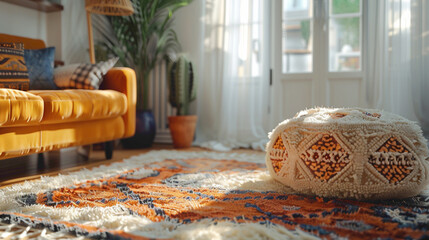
(66,30)
(16,20)
(53,35)
(189,26)
(74,32)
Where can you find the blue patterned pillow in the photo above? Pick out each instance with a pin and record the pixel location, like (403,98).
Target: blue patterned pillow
(40,65)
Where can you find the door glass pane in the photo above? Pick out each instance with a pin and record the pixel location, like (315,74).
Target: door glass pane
(344,44)
(345,6)
(345,35)
(297,37)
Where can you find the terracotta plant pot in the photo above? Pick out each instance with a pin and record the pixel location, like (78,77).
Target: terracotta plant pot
(182,129)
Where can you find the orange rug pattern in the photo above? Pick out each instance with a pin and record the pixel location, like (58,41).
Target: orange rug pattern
(163,195)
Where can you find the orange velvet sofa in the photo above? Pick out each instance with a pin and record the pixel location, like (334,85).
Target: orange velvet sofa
(36,121)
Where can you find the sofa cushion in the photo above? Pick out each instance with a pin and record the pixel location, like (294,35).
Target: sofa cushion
(81,105)
(19,108)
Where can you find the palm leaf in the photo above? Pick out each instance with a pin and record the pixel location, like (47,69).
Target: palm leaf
(142,39)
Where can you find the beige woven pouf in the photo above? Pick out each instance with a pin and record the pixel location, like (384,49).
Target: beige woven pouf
(349,153)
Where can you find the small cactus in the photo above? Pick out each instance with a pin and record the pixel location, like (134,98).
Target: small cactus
(181,84)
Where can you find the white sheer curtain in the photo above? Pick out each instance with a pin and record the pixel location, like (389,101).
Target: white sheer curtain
(420,61)
(233,89)
(398,59)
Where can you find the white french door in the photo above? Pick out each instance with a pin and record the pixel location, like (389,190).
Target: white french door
(317,55)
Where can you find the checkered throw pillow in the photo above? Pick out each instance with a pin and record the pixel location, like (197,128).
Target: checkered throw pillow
(83,75)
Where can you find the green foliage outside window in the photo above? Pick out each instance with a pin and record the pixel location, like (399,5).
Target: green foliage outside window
(345,6)
(305,30)
(348,27)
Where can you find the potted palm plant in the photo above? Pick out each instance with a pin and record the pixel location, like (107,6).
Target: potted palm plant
(141,41)
(182,91)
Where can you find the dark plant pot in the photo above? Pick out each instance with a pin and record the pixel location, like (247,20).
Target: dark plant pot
(145,131)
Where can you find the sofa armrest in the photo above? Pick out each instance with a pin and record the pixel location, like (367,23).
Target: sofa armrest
(124,80)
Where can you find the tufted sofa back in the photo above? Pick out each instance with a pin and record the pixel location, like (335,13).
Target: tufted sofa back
(29,43)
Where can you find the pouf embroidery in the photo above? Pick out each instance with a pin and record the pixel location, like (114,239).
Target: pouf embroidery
(349,153)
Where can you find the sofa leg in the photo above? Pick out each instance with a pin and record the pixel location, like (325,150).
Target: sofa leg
(108,149)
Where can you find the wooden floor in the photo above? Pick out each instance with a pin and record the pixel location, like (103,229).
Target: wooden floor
(20,169)
(26,168)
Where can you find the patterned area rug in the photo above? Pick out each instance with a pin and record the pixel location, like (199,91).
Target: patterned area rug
(200,195)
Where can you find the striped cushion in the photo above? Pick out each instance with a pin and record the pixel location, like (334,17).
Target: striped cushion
(13,71)
(12,45)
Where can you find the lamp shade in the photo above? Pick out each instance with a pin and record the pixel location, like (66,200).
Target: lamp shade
(110,7)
